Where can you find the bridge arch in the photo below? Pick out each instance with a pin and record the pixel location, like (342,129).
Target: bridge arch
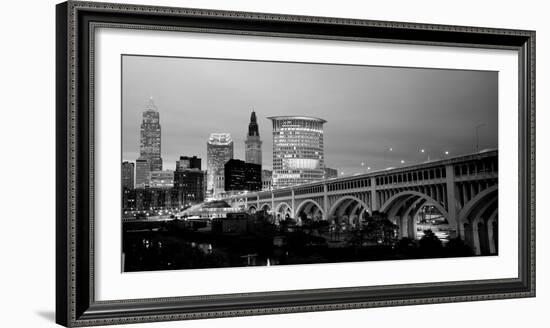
(395,200)
(282,209)
(399,206)
(478,220)
(303,204)
(342,205)
(265,207)
(238,203)
(463,215)
(252,208)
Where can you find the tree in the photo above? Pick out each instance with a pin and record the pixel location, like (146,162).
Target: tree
(457,247)
(429,244)
(379,229)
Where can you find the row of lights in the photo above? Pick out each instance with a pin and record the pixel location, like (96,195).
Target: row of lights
(390,149)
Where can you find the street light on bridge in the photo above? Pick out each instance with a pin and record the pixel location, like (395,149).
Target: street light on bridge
(388,149)
(363,165)
(423,151)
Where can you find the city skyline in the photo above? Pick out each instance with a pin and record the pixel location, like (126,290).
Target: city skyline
(461,103)
(324,119)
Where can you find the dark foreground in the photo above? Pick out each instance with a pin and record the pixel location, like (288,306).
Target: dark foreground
(175,244)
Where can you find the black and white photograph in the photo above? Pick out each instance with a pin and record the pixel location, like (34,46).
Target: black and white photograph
(232,163)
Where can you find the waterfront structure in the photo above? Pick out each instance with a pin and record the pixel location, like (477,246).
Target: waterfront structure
(253,144)
(127,175)
(463,189)
(330,173)
(242,176)
(143,169)
(161,179)
(298,150)
(150,137)
(189,185)
(266,179)
(219,150)
(186,162)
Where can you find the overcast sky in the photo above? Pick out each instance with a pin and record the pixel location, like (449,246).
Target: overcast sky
(367,109)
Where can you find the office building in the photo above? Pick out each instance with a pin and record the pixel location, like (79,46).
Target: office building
(189,185)
(186,162)
(219,150)
(161,179)
(330,173)
(266,179)
(143,169)
(127,175)
(242,176)
(298,150)
(150,137)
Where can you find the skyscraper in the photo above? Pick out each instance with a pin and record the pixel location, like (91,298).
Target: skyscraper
(298,150)
(143,168)
(127,175)
(253,144)
(219,150)
(240,176)
(150,137)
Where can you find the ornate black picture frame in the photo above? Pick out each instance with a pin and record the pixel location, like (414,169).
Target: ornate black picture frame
(75,301)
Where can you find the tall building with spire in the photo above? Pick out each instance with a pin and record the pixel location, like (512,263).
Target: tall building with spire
(150,143)
(253,144)
(219,150)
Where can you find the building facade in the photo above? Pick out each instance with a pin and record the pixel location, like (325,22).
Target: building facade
(127,175)
(219,150)
(150,137)
(242,176)
(143,169)
(266,179)
(186,162)
(298,150)
(189,185)
(330,173)
(161,179)
(150,199)
(253,144)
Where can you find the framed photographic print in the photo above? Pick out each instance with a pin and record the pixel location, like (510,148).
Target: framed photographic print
(214,163)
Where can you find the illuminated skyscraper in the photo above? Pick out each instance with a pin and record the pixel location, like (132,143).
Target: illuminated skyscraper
(298,150)
(219,150)
(253,144)
(150,138)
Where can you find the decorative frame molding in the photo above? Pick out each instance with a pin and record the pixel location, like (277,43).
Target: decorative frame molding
(76,24)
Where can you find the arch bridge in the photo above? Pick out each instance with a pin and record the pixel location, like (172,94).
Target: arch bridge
(463,189)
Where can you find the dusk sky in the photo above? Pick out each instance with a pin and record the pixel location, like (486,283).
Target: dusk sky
(367,109)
